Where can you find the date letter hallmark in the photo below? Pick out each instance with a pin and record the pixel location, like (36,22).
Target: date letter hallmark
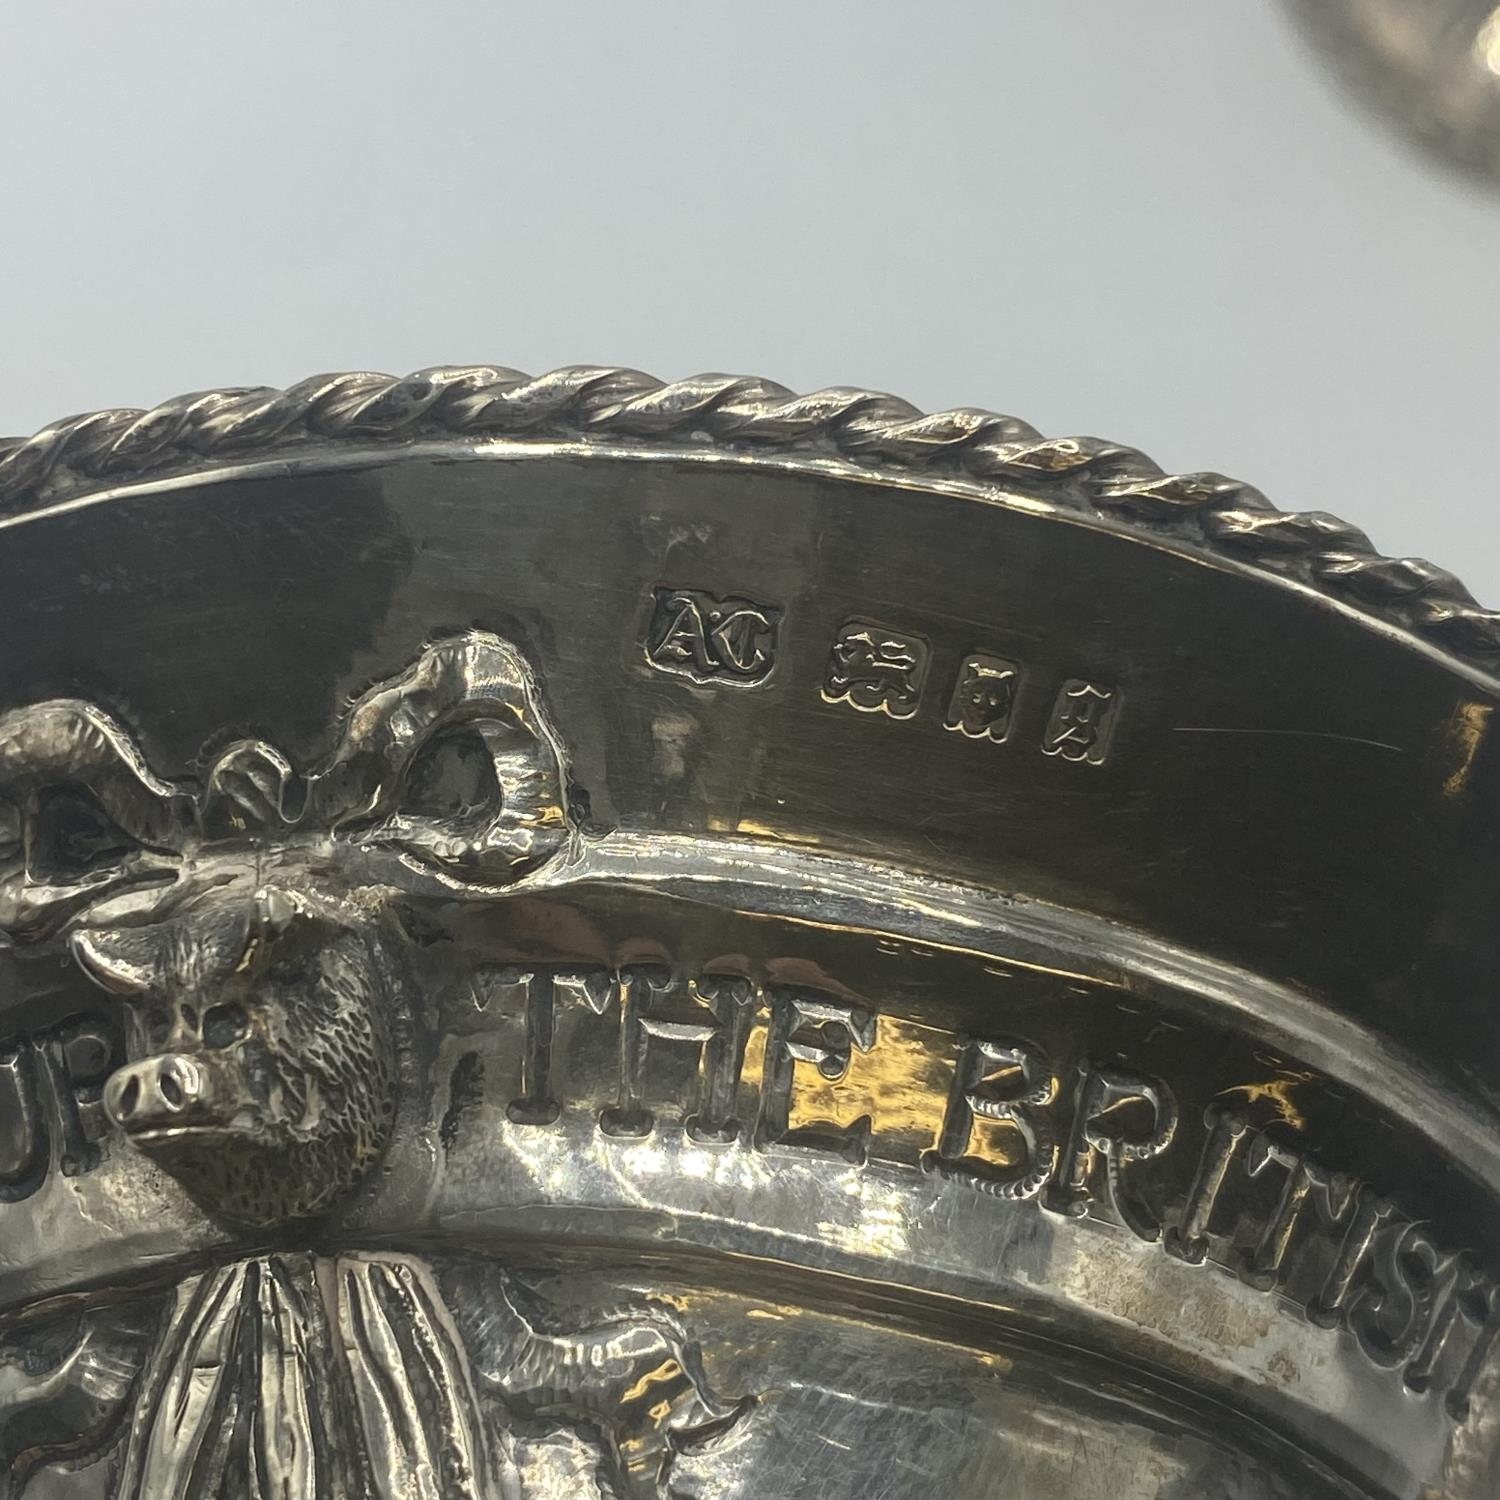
(876,670)
(1082,722)
(697,635)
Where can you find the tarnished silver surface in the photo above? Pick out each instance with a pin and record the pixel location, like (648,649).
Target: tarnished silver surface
(1431,67)
(582,937)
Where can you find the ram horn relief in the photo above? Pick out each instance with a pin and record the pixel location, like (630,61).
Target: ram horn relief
(249,930)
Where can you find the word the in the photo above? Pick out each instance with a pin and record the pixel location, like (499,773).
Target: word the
(725,1060)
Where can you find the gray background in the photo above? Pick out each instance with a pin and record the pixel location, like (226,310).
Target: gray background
(1154,221)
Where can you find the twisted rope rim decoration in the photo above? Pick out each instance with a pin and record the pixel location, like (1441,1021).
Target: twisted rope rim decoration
(745,415)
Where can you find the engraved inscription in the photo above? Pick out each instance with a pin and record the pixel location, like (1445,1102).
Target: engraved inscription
(540,992)
(261,1000)
(724,1060)
(819,1032)
(1008,1083)
(1306,1188)
(262,1067)
(719,1058)
(876,670)
(1189,1239)
(50,1085)
(265,970)
(1082,722)
(1409,1304)
(1118,1119)
(984,697)
(710,639)
(710,1017)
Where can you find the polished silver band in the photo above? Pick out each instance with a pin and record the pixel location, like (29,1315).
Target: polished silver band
(582,936)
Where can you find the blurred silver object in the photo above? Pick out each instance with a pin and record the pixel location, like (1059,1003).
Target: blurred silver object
(584,936)
(1432,67)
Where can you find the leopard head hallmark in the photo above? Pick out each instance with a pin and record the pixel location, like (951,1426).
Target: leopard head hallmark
(247,925)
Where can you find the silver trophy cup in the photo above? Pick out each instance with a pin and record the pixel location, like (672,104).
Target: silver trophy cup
(583,937)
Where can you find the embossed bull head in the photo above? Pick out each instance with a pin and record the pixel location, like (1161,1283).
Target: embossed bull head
(245,923)
(264,1071)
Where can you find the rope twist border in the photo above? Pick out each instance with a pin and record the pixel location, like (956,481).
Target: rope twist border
(1223,516)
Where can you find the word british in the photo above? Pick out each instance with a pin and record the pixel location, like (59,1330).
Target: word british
(773,1067)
